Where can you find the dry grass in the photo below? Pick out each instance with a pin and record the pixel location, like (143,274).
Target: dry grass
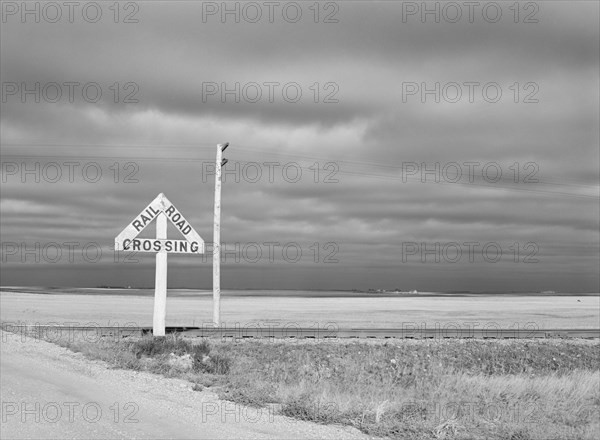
(448,389)
(442,389)
(154,355)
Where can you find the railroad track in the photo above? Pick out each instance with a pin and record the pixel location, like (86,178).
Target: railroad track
(330,332)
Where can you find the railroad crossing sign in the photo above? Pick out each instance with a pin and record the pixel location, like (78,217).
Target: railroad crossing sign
(127,241)
(160,209)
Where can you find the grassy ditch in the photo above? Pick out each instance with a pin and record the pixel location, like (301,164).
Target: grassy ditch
(427,389)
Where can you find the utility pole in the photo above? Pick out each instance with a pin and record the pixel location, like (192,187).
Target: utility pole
(217,236)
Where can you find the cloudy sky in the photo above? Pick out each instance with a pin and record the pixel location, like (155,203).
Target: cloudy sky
(372,144)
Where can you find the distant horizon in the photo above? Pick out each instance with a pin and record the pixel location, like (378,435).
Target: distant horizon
(371,291)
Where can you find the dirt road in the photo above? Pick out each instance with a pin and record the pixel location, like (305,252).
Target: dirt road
(48,392)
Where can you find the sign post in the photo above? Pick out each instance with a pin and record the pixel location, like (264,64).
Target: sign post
(160,281)
(219,162)
(162,210)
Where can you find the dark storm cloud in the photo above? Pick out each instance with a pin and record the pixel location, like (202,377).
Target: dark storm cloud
(368,54)
(368,135)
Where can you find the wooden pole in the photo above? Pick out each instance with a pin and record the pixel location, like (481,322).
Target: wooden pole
(217,240)
(160,282)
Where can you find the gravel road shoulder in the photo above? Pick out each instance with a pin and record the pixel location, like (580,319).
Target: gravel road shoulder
(50,392)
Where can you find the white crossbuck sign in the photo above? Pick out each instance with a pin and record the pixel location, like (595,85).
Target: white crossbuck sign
(160,206)
(160,209)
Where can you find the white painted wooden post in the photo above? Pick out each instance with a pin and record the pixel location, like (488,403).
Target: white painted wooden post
(162,210)
(217,241)
(217,237)
(160,283)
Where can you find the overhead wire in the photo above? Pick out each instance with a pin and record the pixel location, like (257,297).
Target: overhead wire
(351,167)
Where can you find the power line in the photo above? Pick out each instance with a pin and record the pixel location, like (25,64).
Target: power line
(362,168)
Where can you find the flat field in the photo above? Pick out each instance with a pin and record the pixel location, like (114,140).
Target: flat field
(309,309)
(417,389)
